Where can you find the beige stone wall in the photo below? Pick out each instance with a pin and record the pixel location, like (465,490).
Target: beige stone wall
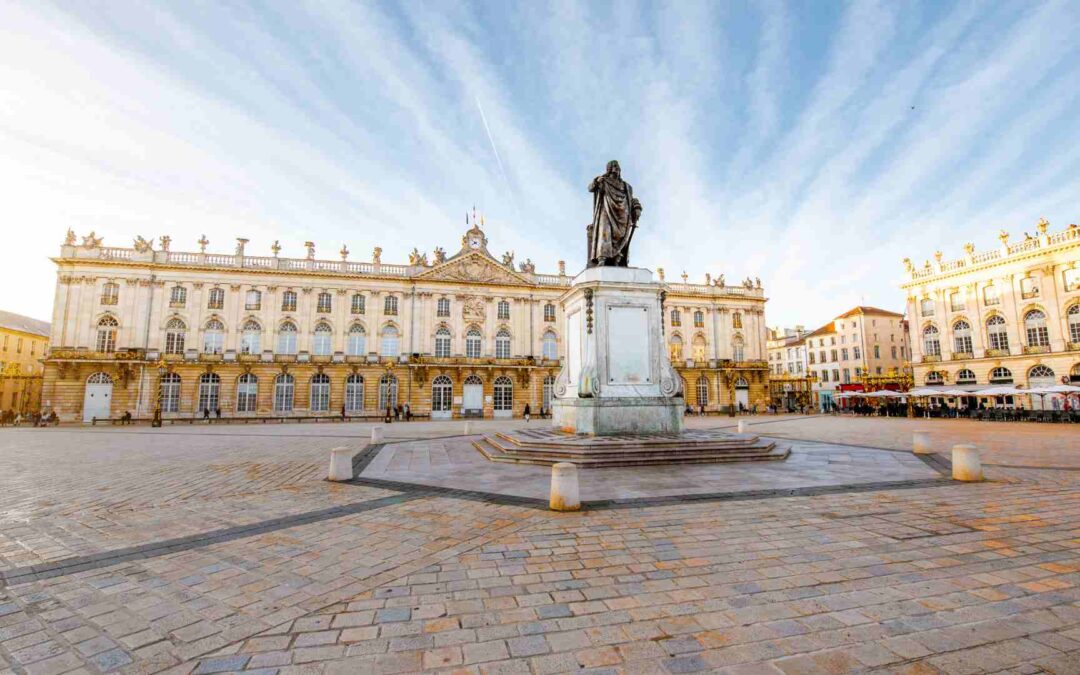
(21,370)
(1038,274)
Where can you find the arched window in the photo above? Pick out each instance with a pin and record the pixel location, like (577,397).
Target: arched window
(502,344)
(209,392)
(676,317)
(247,393)
(1041,376)
(474,343)
(175,334)
(324,303)
(1074,324)
(931,341)
(442,394)
(996,333)
(442,307)
(390,341)
(356,344)
(1035,327)
(962,337)
(106,334)
(213,337)
(253,300)
(99,378)
(216,299)
(675,345)
(390,305)
(442,343)
(549,312)
(286,342)
(251,337)
(503,310)
(288,301)
(1001,375)
(697,348)
(504,394)
(965,376)
(178,296)
(284,391)
(110,293)
(549,387)
(738,350)
(741,383)
(934,377)
(703,390)
(354,393)
(550,347)
(387,392)
(357,304)
(170,393)
(320,393)
(322,345)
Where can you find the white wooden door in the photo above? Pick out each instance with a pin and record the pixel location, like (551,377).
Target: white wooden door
(473,397)
(97,401)
(742,397)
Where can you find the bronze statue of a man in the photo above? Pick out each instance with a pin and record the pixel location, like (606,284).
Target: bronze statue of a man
(615,215)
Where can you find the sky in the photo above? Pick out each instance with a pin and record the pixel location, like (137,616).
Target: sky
(811,144)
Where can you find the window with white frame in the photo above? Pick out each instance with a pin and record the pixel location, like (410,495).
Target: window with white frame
(253,300)
(390,342)
(956,301)
(1036,330)
(284,393)
(251,337)
(107,327)
(503,310)
(288,301)
(390,305)
(703,391)
(738,349)
(1001,375)
(354,393)
(178,296)
(442,307)
(322,345)
(358,305)
(699,319)
(1073,317)
(216,299)
(962,337)
(170,393)
(324,303)
(926,307)
(931,341)
(247,393)
(320,393)
(991,295)
(474,343)
(175,335)
(442,343)
(110,293)
(1029,287)
(356,342)
(550,347)
(442,394)
(503,393)
(502,344)
(213,337)
(965,376)
(676,317)
(549,312)
(996,333)
(1072,279)
(286,343)
(934,377)
(209,392)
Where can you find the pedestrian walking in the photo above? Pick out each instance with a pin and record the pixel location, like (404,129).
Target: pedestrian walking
(527,411)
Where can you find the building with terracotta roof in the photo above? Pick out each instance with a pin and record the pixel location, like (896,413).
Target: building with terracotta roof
(23,342)
(862,344)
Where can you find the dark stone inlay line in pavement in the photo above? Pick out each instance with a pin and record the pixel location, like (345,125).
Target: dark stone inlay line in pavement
(92,561)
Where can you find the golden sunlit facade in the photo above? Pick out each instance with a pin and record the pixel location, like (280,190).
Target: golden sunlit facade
(466,334)
(23,342)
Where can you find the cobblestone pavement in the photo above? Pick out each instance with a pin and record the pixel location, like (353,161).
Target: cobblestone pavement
(250,561)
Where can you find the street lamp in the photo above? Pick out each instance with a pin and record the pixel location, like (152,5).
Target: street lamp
(157,408)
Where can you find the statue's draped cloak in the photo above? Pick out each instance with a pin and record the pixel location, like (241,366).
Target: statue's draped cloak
(612,220)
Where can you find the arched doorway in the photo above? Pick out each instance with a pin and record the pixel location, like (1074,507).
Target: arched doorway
(742,394)
(97,400)
(472,397)
(504,397)
(442,396)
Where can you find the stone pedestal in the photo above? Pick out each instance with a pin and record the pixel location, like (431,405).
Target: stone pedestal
(617,377)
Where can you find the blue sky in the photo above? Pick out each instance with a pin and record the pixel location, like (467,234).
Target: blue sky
(811,144)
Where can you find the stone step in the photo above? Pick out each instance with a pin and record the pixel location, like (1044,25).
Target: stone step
(496,453)
(591,447)
(572,452)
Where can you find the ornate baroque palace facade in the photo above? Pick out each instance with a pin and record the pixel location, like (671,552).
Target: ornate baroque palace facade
(1008,316)
(466,334)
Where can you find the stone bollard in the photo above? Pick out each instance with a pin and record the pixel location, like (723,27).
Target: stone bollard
(966,463)
(376,435)
(920,443)
(742,426)
(467,429)
(341,464)
(564,487)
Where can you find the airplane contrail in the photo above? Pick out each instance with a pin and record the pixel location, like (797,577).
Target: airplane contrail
(498,160)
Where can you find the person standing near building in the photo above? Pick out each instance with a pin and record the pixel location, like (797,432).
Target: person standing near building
(527,412)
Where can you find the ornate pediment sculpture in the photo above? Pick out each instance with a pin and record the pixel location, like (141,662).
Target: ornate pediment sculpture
(143,245)
(475,267)
(91,241)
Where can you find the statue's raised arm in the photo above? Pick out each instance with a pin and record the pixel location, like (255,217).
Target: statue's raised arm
(615,215)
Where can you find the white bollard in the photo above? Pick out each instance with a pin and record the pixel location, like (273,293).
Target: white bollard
(341,464)
(966,463)
(920,443)
(467,429)
(742,426)
(564,487)
(376,435)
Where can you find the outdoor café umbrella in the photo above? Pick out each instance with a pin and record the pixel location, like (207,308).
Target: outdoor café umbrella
(998,391)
